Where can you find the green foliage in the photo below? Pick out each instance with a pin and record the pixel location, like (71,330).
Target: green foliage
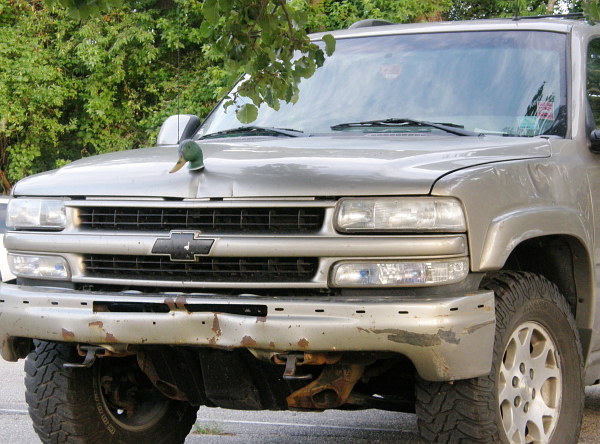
(73,88)
(340,14)
(468,10)
(591,10)
(81,9)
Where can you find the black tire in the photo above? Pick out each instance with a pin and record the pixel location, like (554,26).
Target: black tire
(78,405)
(537,365)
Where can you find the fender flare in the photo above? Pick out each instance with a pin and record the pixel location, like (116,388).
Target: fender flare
(508,230)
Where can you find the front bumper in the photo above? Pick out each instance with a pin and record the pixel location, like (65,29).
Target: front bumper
(446,338)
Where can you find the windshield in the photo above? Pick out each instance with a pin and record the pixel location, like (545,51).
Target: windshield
(509,83)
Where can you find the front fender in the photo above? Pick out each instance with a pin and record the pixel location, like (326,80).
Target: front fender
(507,203)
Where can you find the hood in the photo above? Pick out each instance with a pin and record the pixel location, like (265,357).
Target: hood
(277,167)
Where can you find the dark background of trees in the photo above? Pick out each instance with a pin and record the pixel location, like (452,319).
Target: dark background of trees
(73,88)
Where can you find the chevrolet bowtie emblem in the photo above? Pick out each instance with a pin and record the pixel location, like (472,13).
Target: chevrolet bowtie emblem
(182,246)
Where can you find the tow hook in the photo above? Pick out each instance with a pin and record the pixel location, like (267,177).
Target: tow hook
(291,361)
(91,353)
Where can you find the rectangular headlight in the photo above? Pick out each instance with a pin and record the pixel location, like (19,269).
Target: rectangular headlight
(46,267)
(34,214)
(399,274)
(400,214)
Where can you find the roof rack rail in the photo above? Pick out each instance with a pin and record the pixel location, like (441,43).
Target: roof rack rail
(569,15)
(367,23)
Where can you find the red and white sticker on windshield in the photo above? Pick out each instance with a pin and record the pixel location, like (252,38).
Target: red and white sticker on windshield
(545,110)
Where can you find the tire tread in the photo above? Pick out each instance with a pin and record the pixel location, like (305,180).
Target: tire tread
(61,402)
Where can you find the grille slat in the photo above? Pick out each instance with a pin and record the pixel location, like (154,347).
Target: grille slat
(251,269)
(216,220)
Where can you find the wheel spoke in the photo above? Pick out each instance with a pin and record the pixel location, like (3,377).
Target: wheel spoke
(516,434)
(544,417)
(543,371)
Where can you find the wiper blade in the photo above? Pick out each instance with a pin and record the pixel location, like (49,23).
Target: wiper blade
(255,130)
(448,127)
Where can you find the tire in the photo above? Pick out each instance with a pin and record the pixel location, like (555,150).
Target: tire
(537,367)
(110,402)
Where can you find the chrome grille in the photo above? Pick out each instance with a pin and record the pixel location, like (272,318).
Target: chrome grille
(207,220)
(220,269)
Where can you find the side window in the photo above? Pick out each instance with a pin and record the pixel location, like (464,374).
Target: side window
(593,79)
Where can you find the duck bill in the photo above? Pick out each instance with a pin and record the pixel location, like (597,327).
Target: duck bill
(178,165)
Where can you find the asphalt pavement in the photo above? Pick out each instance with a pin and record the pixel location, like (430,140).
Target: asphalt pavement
(218,426)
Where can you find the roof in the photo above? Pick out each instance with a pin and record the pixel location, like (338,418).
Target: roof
(557,24)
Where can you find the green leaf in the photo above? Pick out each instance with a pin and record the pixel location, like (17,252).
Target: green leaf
(205,29)
(329,44)
(594,15)
(74,13)
(211,11)
(319,57)
(247,113)
(301,18)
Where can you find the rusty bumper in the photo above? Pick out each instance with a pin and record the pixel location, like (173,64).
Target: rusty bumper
(446,338)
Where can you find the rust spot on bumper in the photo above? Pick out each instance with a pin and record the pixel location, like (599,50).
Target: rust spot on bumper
(68,335)
(247,341)
(303,343)
(216,327)
(110,338)
(98,324)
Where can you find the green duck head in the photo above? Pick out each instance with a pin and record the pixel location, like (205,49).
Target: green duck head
(189,151)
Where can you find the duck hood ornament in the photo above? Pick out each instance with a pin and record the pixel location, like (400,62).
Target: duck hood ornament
(189,151)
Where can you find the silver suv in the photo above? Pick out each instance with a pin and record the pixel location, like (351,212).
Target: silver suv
(416,233)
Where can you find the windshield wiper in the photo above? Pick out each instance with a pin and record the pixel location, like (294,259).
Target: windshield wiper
(255,130)
(448,127)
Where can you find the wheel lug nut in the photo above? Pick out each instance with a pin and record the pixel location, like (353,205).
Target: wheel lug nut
(532,393)
(515,382)
(531,373)
(522,368)
(517,401)
(526,407)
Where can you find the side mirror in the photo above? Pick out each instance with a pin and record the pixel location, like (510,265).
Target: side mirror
(176,128)
(595,141)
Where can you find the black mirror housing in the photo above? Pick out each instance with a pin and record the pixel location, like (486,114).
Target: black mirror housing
(595,141)
(177,128)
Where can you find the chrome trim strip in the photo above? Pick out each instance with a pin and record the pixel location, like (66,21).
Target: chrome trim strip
(132,243)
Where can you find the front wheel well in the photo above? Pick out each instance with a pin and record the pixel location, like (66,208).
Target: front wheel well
(565,262)
(551,257)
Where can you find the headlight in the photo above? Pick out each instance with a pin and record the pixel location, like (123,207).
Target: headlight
(46,267)
(408,214)
(399,274)
(36,214)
